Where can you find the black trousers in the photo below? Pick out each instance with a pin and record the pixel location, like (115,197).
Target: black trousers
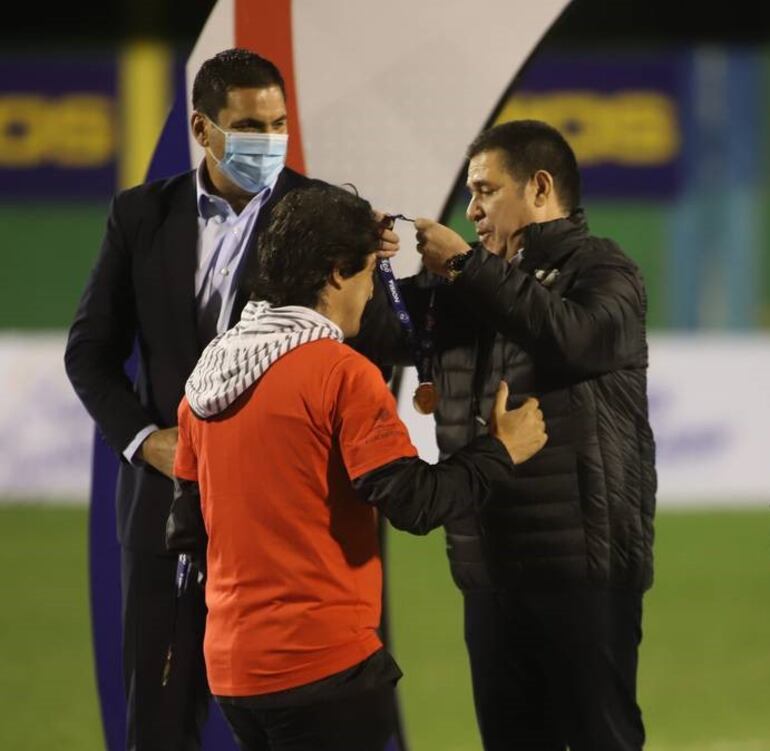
(162,718)
(555,670)
(363,721)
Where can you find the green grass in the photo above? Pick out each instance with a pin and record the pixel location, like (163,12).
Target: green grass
(705,662)
(705,670)
(47,684)
(705,658)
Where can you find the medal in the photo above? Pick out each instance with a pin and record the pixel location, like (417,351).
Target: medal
(425,398)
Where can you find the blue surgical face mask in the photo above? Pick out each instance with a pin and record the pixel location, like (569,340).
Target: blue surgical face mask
(252,160)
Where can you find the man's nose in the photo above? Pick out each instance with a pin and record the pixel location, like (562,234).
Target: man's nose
(473,212)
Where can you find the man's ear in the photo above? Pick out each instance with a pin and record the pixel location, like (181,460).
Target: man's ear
(199,129)
(543,181)
(335,279)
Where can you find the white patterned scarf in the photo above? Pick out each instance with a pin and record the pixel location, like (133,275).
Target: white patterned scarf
(239,357)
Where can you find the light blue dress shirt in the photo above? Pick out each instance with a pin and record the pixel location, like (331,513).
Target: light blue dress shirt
(223,237)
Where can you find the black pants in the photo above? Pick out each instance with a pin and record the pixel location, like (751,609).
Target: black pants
(362,722)
(162,718)
(555,670)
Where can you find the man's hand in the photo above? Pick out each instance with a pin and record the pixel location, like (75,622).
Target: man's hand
(437,244)
(521,430)
(158,450)
(389,241)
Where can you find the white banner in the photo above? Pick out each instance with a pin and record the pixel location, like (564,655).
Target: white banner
(709,406)
(394,113)
(710,412)
(45,434)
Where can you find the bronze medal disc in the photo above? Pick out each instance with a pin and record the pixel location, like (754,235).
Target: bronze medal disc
(425,398)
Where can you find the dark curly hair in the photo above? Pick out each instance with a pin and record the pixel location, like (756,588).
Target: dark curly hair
(231,69)
(532,145)
(311,232)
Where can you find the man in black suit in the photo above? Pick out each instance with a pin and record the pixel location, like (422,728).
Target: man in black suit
(170,276)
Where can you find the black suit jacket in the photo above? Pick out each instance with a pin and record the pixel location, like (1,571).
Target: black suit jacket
(142,290)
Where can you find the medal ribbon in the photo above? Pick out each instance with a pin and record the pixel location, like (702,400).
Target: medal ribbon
(422,348)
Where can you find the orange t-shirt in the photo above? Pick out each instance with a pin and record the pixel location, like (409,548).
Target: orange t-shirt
(294,572)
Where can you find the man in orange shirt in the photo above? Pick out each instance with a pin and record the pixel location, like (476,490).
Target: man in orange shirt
(294,443)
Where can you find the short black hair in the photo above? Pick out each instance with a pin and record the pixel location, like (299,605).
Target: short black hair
(311,232)
(231,69)
(532,145)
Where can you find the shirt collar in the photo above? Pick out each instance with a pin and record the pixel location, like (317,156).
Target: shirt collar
(210,205)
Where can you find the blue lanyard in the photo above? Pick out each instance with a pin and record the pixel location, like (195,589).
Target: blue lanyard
(422,347)
(426,397)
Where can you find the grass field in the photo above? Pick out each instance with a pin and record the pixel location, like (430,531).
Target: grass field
(705,662)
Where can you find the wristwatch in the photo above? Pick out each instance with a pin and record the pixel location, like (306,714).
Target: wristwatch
(456,264)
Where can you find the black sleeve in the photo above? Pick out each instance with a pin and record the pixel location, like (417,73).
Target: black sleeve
(596,327)
(101,339)
(185,530)
(418,497)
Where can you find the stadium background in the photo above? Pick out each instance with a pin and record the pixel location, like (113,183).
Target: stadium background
(669,122)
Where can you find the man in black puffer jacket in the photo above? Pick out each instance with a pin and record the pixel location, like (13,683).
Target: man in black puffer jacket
(554,568)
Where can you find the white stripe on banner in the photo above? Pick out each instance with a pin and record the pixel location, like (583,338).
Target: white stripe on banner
(46,436)
(710,408)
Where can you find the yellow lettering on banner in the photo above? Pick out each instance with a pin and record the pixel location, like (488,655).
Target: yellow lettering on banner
(651,126)
(85,133)
(23,130)
(75,131)
(630,128)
